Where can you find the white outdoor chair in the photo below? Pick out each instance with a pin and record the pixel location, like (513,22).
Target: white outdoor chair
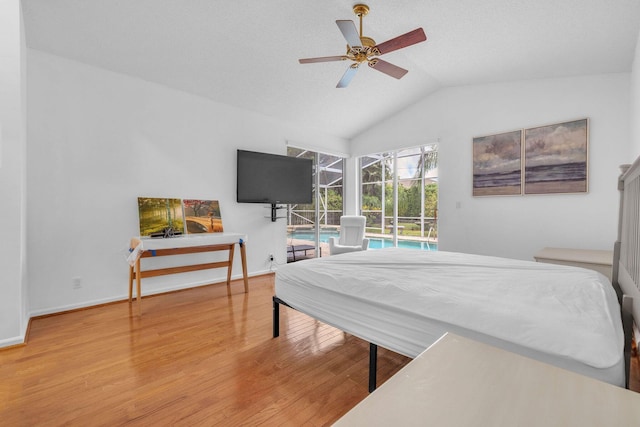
(351,235)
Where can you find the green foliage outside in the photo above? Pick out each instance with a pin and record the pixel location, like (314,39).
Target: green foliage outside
(408,206)
(409,199)
(334,200)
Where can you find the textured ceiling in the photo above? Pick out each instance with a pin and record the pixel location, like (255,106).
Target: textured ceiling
(245,53)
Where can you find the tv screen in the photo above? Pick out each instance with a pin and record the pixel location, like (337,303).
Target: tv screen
(273,179)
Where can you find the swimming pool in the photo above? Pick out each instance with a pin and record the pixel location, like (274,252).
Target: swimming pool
(374,242)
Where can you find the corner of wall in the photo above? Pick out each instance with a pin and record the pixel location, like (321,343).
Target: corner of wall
(13,341)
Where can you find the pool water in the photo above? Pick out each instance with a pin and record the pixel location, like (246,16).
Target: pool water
(374,242)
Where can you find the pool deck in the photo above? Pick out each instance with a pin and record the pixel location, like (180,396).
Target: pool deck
(324,247)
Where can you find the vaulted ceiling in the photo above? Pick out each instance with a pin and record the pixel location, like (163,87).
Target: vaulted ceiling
(245,53)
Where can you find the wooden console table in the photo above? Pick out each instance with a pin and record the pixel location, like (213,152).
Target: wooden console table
(146,247)
(462,382)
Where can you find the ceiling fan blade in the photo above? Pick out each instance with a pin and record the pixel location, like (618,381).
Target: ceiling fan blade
(322,59)
(350,33)
(387,68)
(347,76)
(408,39)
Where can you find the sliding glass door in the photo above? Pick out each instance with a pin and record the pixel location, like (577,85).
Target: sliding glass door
(399,197)
(312,224)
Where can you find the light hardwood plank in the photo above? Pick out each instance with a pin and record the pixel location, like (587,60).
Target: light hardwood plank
(201,356)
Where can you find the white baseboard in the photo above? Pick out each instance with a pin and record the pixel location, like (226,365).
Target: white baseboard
(124,296)
(20,339)
(12,341)
(86,304)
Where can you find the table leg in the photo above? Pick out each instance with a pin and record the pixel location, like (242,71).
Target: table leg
(231,250)
(130,283)
(243,255)
(138,274)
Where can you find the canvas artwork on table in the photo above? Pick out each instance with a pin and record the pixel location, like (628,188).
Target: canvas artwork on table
(556,158)
(202,216)
(497,164)
(160,217)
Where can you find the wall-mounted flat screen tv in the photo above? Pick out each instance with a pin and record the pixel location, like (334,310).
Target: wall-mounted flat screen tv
(273,179)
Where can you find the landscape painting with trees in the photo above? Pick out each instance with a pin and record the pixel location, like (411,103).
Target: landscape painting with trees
(160,217)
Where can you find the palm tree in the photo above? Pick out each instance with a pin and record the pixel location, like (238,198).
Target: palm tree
(428,161)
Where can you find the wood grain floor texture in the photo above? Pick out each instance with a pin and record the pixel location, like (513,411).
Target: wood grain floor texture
(203,356)
(194,357)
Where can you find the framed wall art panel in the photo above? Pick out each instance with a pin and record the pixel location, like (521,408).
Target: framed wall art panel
(497,164)
(202,216)
(556,158)
(160,217)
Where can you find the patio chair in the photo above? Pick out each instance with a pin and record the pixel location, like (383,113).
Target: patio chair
(351,235)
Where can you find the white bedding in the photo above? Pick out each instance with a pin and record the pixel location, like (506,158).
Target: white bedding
(404,300)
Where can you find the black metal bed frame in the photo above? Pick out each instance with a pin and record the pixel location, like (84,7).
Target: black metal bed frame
(373,348)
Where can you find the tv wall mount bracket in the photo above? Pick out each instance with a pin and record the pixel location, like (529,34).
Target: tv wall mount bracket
(274,212)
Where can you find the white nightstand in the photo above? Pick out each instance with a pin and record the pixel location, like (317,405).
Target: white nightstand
(599,261)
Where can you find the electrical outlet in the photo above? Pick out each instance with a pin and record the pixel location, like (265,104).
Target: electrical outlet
(273,265)
(77,282)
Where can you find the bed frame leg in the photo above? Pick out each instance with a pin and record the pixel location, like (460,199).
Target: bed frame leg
(276,318)
(373,348)
(373,366)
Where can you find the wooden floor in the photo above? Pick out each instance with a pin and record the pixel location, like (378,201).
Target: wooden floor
(194,357)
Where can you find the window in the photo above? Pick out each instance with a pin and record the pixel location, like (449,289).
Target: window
(399,197)
(326,207)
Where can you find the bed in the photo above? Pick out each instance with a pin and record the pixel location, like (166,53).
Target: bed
(404,300)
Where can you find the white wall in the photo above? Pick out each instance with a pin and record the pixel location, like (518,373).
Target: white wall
(13,302)
(97,141)
(635,103)
(517,226)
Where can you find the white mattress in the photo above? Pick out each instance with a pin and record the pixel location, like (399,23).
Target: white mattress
(404,300)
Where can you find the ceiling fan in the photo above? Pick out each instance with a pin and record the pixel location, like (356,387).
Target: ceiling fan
(364,49)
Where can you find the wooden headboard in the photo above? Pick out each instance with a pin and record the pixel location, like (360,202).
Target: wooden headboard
(626,255)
